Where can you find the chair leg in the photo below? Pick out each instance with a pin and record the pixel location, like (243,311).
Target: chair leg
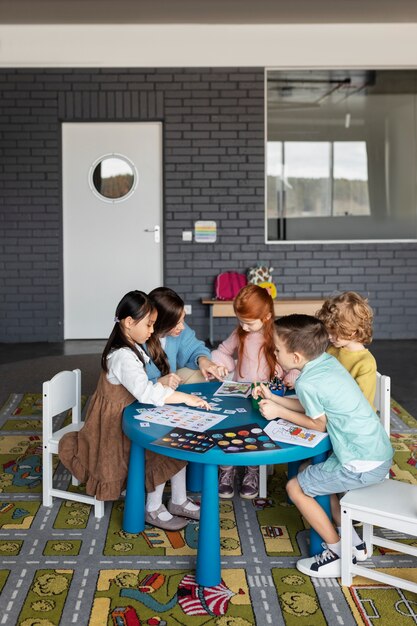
(47,470)
(98,508)
(263,481)
(367,534)
(346,548)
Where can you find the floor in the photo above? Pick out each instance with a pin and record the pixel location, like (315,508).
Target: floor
(23,367)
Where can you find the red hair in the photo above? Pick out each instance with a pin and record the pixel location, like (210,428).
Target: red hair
(254,303)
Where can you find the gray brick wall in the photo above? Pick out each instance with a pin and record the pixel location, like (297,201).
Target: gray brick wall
(213,169)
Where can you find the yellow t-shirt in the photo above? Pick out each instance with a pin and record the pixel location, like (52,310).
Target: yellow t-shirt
(362,366)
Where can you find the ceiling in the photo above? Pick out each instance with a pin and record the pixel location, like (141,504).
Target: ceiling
(206,11)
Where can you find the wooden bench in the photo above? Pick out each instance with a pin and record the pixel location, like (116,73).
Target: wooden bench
(224,308)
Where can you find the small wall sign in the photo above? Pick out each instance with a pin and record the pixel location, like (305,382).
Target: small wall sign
(205,231)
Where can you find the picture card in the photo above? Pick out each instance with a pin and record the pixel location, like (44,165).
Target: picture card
(248,438)
(281,430)
(232,388)
(182,439)
(180,417)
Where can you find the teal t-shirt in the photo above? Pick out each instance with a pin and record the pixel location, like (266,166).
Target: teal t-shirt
(326,387)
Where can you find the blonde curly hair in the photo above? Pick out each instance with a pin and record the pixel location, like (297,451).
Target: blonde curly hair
(348,316)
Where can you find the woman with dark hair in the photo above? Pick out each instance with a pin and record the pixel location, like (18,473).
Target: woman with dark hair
(99,453)
(177,356)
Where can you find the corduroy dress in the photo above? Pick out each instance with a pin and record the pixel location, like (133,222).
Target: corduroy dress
(98,454)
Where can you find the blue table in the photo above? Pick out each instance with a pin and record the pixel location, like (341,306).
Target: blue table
(208,551)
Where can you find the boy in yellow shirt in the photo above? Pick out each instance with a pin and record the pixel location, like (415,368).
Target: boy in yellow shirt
(348,320)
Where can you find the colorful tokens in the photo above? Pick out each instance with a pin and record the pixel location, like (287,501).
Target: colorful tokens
(186,440)
(250,438)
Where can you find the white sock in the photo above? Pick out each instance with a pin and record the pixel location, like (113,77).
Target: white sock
(336,548)
(179,490)
(356,540)
(154,501)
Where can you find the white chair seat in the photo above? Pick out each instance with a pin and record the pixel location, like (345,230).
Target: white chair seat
(58,434)
(391,505)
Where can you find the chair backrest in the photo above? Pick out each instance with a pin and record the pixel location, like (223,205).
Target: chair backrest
(382,400)
(61,393)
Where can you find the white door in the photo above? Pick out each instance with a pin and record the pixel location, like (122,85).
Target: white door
(112,220)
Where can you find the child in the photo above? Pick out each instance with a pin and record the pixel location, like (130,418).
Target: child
(348,321)
(252,345)
(327,397)
(174,345)
(98,454)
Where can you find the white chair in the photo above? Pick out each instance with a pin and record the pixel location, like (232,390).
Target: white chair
(382,400)
(391,505)
(61,393)
(382,403)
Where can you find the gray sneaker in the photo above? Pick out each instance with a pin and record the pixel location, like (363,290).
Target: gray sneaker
(250,484)
(226,480)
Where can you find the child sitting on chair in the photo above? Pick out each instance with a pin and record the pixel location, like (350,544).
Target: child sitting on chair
(327,398)
(98,454)
(348,321)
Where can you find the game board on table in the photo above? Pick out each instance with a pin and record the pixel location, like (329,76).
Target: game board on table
(180,417)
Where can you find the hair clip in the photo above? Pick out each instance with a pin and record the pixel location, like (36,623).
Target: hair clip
(116,320)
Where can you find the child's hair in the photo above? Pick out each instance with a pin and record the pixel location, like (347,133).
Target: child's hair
(135,304)
(348,316)
(170,308)
(303,333)
(254,303)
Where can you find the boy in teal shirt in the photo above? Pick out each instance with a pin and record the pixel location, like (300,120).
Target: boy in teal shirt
(327,399)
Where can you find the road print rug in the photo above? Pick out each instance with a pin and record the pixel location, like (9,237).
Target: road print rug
(61,566)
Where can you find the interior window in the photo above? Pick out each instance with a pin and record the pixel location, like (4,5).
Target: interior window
(341,155)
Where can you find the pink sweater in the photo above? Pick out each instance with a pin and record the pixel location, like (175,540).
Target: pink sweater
(254,367)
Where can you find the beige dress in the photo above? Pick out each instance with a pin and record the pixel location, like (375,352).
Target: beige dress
(98,454)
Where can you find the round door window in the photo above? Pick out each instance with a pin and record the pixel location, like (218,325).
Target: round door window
(113,178)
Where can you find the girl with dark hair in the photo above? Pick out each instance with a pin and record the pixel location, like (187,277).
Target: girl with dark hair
(249,354)
(177,356)
(99,453)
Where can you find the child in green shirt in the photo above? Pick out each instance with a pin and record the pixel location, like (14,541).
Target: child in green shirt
(327,399)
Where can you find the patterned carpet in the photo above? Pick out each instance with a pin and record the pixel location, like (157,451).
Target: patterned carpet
(62,566)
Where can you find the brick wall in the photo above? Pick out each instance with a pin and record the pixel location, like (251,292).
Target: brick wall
(213,169)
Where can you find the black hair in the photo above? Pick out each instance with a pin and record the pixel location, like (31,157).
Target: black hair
(135,304)
(170,308)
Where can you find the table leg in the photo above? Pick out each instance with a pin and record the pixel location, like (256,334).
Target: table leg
(208,571)
(134,512)
(194,476)
(211,326)
(324,501)
(293,468)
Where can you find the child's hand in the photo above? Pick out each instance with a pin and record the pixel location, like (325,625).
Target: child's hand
(210,370)
(268,409)
(262,391)
(170,380)
(196,401)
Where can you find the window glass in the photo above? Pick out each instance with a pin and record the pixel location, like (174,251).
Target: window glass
(341,152)
(113,178)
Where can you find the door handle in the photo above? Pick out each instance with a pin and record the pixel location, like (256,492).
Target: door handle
(157,231)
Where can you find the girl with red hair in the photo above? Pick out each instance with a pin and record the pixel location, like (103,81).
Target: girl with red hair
(249,355)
